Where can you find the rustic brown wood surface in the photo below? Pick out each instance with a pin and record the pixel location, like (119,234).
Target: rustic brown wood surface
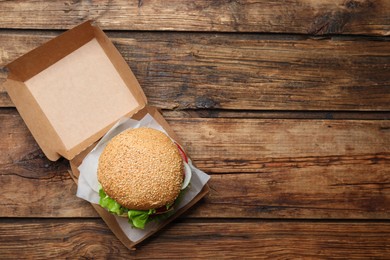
(47,238)
(246,72)
(293,16)
(286,104)
(273,178)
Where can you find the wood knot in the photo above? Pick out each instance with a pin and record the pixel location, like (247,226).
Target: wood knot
(353,4)
(334,21)
(205,102)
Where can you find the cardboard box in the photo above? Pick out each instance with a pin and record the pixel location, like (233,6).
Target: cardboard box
(70,91)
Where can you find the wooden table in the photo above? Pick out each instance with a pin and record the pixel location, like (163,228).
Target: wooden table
(285,103)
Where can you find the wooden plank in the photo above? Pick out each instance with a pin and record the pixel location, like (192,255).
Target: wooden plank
(211,239)
(245,71)
(221,113)
(223,145)
(297,16)
(247,145)
(335,192)
(260,169)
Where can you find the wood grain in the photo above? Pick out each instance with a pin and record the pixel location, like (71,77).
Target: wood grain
(295,16)
(243,71)
(214,143)
(284,103)
(336,192)
(268,169)
(279,114)
(92,239)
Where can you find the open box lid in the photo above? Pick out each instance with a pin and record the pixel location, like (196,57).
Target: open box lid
(72,89)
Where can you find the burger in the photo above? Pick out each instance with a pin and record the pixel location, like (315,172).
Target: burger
(143,174)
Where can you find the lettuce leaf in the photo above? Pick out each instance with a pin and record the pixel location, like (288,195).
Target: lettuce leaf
(139,218)
(111,205)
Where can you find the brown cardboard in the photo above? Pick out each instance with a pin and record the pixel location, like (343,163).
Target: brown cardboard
(70,91)
(76,77)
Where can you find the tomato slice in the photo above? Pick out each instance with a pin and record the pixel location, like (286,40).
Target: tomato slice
(162,210)
(182,153)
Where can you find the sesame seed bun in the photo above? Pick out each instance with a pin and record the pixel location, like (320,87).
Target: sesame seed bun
(141,169)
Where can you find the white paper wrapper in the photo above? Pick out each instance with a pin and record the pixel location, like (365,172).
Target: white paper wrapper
(88,185)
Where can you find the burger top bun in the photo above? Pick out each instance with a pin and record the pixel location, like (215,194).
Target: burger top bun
(141,169)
